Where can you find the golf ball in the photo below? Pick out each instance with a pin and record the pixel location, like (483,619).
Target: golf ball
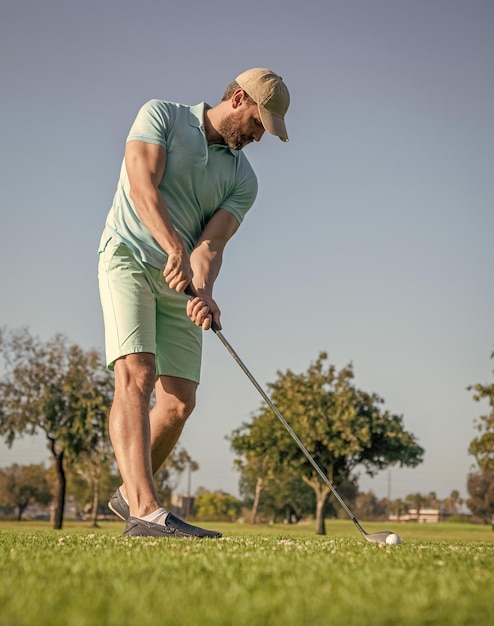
(392,539)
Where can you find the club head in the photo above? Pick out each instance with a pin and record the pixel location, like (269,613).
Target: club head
(378,537)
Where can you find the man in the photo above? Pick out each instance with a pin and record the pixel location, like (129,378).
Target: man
(184,188)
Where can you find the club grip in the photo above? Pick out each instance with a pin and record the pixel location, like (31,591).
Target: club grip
(190,291)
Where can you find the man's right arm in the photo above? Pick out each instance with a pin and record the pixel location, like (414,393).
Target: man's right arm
(145,164)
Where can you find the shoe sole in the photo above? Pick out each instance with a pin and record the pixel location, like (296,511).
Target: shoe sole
(116,512)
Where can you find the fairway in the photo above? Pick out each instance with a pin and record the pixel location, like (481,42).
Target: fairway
(256,576)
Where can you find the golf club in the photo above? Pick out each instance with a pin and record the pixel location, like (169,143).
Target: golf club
(379,537)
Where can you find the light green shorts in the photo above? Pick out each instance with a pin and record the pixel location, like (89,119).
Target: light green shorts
(142,314)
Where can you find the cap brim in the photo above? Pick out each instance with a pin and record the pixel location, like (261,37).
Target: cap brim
(274,124)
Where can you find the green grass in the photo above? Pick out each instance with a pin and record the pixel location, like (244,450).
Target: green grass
(443,574)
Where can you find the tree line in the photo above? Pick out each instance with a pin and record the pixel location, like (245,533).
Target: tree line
(29,490)
(59,389)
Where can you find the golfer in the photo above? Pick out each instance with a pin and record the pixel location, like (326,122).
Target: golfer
(184,188)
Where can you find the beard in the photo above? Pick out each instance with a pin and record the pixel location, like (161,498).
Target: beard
(231,134)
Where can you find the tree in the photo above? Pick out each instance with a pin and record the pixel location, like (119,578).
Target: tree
(259,466)
(453,502)
(480,486)
(92,479)
(368,507)
(416,501)
(398,507)
(431,501)
(22,486)
(482,447)
(217,506)
(57,388)
(341,426)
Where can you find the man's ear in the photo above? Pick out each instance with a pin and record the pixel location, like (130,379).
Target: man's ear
(237,98)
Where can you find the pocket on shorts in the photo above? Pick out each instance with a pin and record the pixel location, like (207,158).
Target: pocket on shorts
(105,239)
(107,252)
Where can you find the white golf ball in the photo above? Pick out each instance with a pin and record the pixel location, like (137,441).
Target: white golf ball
(393,539)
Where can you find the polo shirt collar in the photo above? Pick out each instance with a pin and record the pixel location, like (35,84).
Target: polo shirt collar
(196,119)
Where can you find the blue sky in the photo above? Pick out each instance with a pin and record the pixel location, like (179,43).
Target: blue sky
(371,237)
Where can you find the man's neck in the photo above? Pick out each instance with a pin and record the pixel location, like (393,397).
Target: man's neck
(212,135)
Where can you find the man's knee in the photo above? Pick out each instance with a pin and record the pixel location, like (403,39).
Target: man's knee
(179,411)
(180,407)
(135,372)
(175,398)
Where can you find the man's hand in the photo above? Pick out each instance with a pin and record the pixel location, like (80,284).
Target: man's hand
(178,272)
(202,309)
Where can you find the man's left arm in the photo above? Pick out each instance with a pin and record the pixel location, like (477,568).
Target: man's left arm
(206,259)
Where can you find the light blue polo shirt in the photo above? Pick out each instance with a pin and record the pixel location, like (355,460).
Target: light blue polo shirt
(198,180)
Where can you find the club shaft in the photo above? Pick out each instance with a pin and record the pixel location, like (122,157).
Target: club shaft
(294,436)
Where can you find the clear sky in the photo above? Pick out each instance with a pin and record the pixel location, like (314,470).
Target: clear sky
(372,234)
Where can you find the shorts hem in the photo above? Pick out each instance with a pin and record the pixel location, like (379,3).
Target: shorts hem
(167,371)
(186,376)
(133,350)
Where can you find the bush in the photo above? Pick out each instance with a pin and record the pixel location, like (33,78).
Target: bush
(459,518)
(216,507)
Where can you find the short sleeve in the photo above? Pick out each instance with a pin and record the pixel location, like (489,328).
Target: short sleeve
(243,195)
(151,124)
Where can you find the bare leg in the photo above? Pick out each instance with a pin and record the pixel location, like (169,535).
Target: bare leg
(130,430)
(175,401)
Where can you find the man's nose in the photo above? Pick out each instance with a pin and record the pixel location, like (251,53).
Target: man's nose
(259,132)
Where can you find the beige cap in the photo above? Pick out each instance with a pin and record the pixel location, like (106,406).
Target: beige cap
(270,93)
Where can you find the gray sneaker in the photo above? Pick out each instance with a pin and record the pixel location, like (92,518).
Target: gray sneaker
(173,527)
(118,505)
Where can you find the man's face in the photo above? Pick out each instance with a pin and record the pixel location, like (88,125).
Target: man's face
(241,126)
